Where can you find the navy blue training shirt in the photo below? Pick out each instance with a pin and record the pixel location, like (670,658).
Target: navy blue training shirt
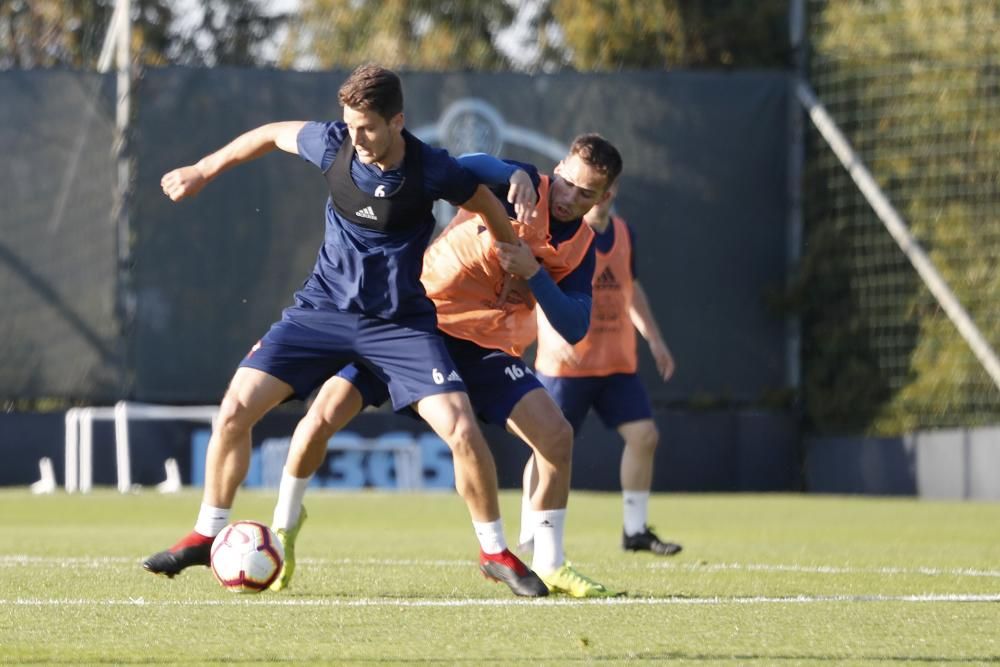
(362,270)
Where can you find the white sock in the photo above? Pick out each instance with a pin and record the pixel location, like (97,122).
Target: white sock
(211,520)
(490,535)
(527,527)
(636,504)
(548,555)
(291,492)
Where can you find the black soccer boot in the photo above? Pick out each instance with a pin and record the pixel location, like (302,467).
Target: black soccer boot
(193,549)
(506,567)
(648,541)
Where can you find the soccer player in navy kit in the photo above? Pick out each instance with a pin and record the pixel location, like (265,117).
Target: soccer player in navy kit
(363,302)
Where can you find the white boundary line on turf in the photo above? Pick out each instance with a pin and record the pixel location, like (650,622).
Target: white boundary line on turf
(546,602)
(826,569)
(12,560)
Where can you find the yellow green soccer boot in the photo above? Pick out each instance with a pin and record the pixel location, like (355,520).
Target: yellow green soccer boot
(570,582)
(287,539)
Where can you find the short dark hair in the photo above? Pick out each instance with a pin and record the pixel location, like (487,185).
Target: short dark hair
(372,87)
(599,153)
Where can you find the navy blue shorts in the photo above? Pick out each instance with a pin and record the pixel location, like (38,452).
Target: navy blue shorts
(617,399)
(495,380)
(308,346)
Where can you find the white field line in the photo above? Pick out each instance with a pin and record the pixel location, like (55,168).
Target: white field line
(506,602)
(828,569)
(16,560)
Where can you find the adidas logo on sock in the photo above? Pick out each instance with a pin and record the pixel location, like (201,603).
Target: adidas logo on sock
(366,212)
(454,377)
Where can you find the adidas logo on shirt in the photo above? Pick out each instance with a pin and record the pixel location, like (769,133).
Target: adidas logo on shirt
(366,212)
(606,279)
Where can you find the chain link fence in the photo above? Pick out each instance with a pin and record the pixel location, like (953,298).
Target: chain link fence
(916,88)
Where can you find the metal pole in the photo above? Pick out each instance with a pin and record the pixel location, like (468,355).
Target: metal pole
(897,227)
(71,476)
(796,161)
(108,49)
(123,452)
(125,301)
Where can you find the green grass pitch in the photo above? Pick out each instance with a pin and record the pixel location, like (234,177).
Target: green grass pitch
(389,578)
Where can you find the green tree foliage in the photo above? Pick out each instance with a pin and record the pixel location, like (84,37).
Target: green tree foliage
(412,34)
(915,86)
(70,33)
(609,34)
(47,33)
(545,35)
(230,32)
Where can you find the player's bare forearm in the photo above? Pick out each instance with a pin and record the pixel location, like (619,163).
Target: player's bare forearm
(189,180)
(642,317)
(252,145)
(517,259)
(485,203)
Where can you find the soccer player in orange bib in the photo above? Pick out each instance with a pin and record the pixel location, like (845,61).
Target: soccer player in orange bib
(599,372)
(485,294)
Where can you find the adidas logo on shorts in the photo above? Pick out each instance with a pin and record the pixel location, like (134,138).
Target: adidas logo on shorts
(366,212)
(454,377)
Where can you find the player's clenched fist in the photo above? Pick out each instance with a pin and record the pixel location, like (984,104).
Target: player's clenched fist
(183,182)
(517,258)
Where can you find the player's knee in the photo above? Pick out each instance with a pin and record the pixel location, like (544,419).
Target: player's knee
(646,437)
(234,418)
(317,427)
(463,438)
(556,443)
(561,431)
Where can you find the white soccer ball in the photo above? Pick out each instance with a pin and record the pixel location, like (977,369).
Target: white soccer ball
(246,557)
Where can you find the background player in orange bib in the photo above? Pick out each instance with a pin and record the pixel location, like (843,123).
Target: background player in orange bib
(599,372)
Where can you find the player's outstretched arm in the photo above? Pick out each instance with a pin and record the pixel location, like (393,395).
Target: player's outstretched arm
(188,181)
(642,317)
(493,172)
(485,203)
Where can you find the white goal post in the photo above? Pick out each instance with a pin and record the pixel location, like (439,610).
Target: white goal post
(899,230)
(79,438)
(79,443)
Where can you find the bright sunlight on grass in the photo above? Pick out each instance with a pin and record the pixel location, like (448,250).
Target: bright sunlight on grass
(392,578)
